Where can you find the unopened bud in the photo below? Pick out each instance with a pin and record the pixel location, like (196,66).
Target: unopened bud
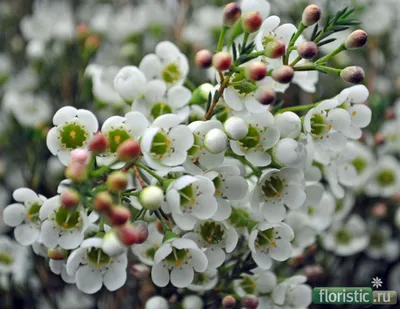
(119,215)
(99,143)
(128,150)
(203,59)
(117,181)
(103,201)
(379,210)
(236,128)
(232,13)
(82,31)
(229,302)
(92,42)
(127,234)
(251,22)
(151,197)
(111,245)
(142,230)
(215,141)
(80,156)
(356,39)
(140,271)
(311,15)
(69,198)
(389,113)
(222,61)
(314,272)
(76,172)
(265,95)
(283,75)
(352,75)
(307,50)
(379,138)
(256,71)
(157,302)
(250,302)
(275,49)
(57,254)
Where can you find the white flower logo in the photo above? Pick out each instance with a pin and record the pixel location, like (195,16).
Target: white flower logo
(376,282)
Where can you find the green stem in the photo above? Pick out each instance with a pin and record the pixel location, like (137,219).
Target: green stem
(136,193)
(245,38)
(295,61)
(222,37)
(189,84)
(162,221)
(102,170)
(297,108)
(299,31)
(332,54)
(255,170)
(151,172)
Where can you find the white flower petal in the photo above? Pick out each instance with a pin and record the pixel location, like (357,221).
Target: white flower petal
(182,276)
(14,214)
(233,99)
(74,260)
(25,195)
(64,156)
(199,260)
(215,257)
(360,115)
(137,123)
(258,158)
(282,251)
(182,138)
(49,234)
(88,280)
(150,66)
(270,137)
(115,277)
(160,274)
(64,114)
(70,239)
(294,197)
(206,207)
(274,211)
(49,206)
(52,141)
(166,121)
(231,240)
(26,234)
(262,260)
(183,243)
(253,106)
(224,210)
(88,119)
(162,252)
(178,96)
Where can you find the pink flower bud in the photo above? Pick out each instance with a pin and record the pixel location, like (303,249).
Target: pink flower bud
(256,71)
(92,42)
(203,59)
(128,150)
(103,201)
(275,49)
(99,143)
(142,230)
(352,75)
(265,95)
(251,22)
(117,181)
(119,215)
(283,75)
(127,234)
(356,39)
(379,210)
(80,156)
(76,172)
(222,61)
(311,15)
(57,254)
(250,302)
(228,302)
(307,50)
(140,271)
(232,13)
(314,272)
(69,198)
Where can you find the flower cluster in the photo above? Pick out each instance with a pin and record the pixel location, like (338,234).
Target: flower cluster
(215,187)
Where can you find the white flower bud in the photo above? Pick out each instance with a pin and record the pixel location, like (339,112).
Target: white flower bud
(215,141)
(111,245)
(289,152)
(289,124)
(157,302)
(129,83)
(236,128)
(192,302)
(151,197)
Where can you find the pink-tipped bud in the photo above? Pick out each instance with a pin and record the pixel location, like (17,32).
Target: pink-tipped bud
(82,31)
(283,75)
(77,172)
(80,156)
(99,143)
(117,181)
(228,302)
(275,49)
(352,75)
(356,39)
(128,150)
(119,215)
(232,13)
(307,50)
(314,272)
(251,22)
(127,234)
(379,138)
(222,61)
(69,198)
(92,42)
(379,210)
(203,59)
(265,95)
(311,15)
(140,271)
(103,202)
(389,113)
(250,302)
(256,71)
(142,230)
(57,254)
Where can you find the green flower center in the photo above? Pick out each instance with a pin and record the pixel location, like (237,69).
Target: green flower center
(377,239)
(318,125)
(6,259)
(196,146)
(248,285)
(386,177)
(160,144)
(151,252)
(239,218)
(67,218)
(344,236)
(177,257)
(33,213)
(116,138)
(171,73)
(73,136)
(187,195)
(266,238)
(272,187)
(242,85)
(212,232)
(311,210)
(252,138)
(160,109)
(360,164)
(98,257)
(339,205)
